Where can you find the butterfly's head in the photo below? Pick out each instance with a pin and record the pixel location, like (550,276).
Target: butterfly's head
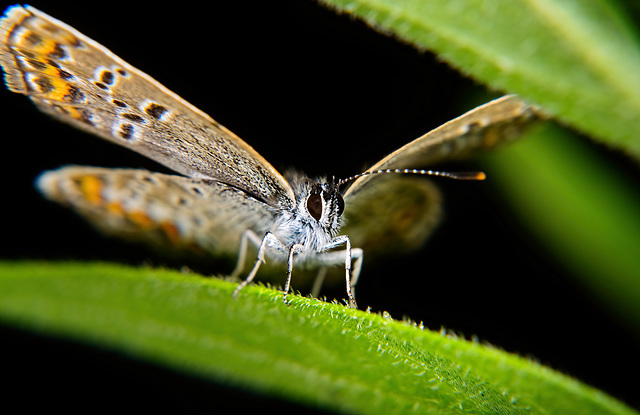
(324,203)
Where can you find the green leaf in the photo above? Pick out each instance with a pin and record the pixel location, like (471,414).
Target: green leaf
(579,60)
(314,352)
(581,207)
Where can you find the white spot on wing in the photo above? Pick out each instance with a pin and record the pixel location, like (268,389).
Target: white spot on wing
(31,80)
(97,73)
(18,34)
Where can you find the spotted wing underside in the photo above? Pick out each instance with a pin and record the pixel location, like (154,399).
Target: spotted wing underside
(167,211)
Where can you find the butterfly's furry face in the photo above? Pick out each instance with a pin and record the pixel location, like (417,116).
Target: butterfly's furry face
(315,220)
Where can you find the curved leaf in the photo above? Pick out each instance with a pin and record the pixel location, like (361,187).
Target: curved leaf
(579,60)
(581,207)
(314,352)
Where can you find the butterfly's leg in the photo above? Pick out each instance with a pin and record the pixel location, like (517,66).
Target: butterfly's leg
(317,283)
(347,267)
(335,258)
(295,248)
(247,236)
(344,239)
(357,254)
(270,241)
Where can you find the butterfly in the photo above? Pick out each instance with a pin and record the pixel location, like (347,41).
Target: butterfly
(228,197)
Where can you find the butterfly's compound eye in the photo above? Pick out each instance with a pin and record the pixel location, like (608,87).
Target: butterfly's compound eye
(340,204)
(314,206)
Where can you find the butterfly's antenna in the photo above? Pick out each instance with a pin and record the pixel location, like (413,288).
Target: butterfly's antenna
(472,175)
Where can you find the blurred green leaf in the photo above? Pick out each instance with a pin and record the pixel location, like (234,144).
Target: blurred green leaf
(581,207)
(579,60)
(313,352)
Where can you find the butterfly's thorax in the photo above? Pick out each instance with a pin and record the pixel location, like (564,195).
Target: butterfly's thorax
(315,220)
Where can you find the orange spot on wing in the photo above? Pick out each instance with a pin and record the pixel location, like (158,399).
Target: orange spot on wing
(194,247)
(44,46)
(172,232)
(115,208)
(60,90)
(140,218)
(491,138)
(91,188)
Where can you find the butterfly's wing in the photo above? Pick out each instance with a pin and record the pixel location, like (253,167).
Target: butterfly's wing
(396,215)
(167,211)
(398,212)
(79,81)
(503,119)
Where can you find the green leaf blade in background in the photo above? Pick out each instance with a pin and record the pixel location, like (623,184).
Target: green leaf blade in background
(585,211)
(578,60)
(320,354)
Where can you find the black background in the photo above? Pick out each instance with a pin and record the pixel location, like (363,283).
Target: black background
(325,94)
